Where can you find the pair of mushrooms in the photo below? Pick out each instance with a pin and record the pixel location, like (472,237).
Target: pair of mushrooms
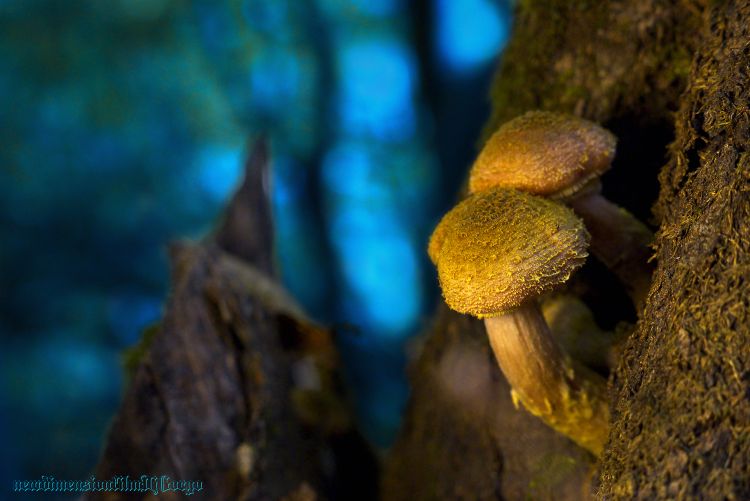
(502,247)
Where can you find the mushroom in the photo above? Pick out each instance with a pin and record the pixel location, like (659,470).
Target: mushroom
(495,253)
(561,157)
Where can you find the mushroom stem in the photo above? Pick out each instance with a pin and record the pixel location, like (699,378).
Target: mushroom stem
(620,241)
(571,401)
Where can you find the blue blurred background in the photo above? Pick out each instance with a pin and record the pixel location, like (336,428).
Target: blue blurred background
(124,126)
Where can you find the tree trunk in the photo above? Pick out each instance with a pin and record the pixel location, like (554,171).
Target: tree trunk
(237,390)
(672,81)
(682,392)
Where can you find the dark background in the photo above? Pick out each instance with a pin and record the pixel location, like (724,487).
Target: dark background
(124,125)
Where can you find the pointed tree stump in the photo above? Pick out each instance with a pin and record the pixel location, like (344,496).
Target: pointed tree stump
(213,399)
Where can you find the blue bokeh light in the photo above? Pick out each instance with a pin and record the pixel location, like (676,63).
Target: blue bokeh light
(470,33)
(275,77)
(378,259)
(301,257)
(379,267)
(377,8)
(377,83)
(218,169)
(349,170)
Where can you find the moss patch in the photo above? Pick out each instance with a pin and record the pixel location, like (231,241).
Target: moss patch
(597,59)
(132,357)
(683,387)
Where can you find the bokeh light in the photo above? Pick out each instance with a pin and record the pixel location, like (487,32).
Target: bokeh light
(469,33)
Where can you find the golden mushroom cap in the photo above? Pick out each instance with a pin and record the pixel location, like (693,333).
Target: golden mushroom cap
(498,248)
(543,153)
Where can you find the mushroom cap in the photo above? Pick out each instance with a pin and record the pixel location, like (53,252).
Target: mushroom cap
(499,248)
(543,153)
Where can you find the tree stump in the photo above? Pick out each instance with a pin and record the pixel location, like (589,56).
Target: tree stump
(237,389)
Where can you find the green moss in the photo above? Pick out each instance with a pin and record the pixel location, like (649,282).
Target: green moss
(133,356)
(550,470)
(532,75)
(595,59)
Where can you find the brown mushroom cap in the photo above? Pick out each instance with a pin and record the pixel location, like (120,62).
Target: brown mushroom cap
(543,153)
(498,248)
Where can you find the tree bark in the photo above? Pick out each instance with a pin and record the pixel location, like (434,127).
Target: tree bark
(682,392)
(672,80)
(237,389)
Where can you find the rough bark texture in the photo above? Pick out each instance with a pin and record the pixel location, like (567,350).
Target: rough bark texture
(208,402)
(682,401)
(218,396)
(656,73)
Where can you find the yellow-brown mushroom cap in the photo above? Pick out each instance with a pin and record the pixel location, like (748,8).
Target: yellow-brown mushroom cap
(543,153)
(499,248)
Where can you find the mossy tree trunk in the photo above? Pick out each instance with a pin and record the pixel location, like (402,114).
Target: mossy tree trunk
(682,392)
(672,80)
